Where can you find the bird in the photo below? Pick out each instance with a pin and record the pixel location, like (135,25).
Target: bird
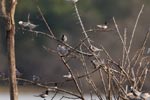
(148,51)
(43,95)
(28,24)
(138,95)
(2,75)
(35,78)
(97,63)
(135,92)
(74,1)
(18,73)
(63,50)
(69,76)
(64,38)
(145,96)
(103,26)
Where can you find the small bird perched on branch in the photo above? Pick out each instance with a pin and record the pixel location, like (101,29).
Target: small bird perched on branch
(2,75)
(103,26)
(43,95)
(69,76)
(139,95)
(18,73)
(27,24)
(74,1)
(62,49)
(35,78)
(135,92)
(64,38)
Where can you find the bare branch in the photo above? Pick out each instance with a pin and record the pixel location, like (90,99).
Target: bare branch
(137,20)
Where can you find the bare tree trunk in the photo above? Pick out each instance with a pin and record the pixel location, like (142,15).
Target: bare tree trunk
(11,49)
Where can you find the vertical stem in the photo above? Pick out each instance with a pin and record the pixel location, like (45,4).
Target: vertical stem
(137,20)
(11,50)
(73,77)
(82,26)
(109,84)
(3,8)
(12,65)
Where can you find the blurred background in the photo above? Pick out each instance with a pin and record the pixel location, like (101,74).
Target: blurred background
(32,59)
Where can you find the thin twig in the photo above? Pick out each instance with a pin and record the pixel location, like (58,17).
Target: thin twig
(81,23)
(123,42)
(73,77)
(125,73)
(109,84)
(88,78)
(54,95)
(52,34)
(133,32)
(103,81)
(142,47)
(123,51)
